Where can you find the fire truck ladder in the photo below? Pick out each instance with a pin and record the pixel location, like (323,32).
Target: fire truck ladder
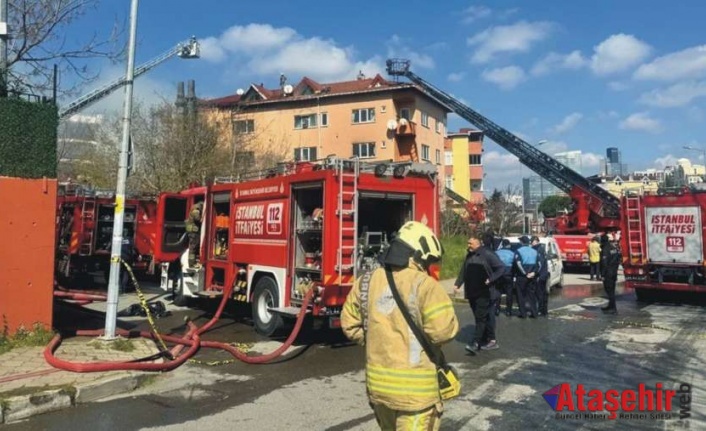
(347,213)
(633,208)
(187,49)
(544,165)
(88,216)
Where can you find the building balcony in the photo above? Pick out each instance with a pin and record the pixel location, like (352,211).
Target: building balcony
(406,128)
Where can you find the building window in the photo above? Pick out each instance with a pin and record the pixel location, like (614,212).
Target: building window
(305,154)
(449,182)
(304,121)
(324,119)
(476,185)
(474,159)
(438,126)
(244,126)
(245,159)
(448,158)
(425,152)
(404,113)
(475,136)
(364,150)
(425,119)
(438,157)
(366,115)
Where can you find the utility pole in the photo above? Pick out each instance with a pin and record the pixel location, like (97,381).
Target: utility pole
(4,35)
(113,283)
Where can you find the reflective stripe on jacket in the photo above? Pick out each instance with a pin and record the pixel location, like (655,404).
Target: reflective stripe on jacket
(399,373)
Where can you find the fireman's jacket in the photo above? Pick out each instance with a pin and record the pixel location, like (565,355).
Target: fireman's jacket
(399,374)
(194,221)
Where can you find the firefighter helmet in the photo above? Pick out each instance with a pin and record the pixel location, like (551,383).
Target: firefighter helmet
(426,246)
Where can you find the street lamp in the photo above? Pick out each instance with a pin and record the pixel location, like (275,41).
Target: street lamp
(522,187)
(703,153)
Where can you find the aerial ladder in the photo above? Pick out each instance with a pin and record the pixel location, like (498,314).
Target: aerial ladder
(187,49)
(593,207)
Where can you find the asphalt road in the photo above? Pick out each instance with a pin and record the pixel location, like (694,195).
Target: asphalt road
(320,384)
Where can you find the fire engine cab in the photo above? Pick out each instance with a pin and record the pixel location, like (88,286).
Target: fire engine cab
(275,235)
(663,241)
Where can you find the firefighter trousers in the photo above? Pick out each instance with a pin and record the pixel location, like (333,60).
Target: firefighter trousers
(194,240)
(395,420)
(609,282)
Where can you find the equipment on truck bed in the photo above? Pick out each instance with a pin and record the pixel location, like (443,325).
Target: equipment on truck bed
(275,235)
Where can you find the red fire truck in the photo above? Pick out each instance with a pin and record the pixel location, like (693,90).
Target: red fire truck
(85,229)
(663,241)
(298,227)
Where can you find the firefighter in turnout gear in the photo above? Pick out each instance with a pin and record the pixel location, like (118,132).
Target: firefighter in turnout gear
(401,379)
(193,230)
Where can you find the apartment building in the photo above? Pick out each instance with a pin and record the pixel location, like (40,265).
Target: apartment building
(463,164)
(371,118)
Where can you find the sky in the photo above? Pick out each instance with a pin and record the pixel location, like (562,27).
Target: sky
(576,75)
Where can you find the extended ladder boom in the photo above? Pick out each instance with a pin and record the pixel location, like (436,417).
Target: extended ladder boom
(186,49)
(544,165)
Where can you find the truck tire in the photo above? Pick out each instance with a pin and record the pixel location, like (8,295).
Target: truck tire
(266,295)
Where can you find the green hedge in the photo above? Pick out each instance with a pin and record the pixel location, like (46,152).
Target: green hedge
(454,254)
(28,133)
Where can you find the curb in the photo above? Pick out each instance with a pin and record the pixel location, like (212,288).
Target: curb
(19,407)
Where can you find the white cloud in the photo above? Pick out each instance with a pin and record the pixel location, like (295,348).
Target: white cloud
(688,63)
(262,49)
(456,76)
(397,48)
(641,121)
(506,78)
(518,37)
(680,94)
(502,168)
(618,53)
(618,86)
(668,160)
(553,62)
(568,123)
(474,13)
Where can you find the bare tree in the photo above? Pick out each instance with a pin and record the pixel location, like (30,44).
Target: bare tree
(502,214)
(38,40)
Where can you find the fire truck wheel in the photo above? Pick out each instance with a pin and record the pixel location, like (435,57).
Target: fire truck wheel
(265,296)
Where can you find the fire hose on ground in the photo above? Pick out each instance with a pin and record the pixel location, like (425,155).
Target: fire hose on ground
(174,359)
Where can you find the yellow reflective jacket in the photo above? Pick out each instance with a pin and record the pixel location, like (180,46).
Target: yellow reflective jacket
(399,374)
(594,252)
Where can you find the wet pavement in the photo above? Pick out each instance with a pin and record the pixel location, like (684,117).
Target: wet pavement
(320,384)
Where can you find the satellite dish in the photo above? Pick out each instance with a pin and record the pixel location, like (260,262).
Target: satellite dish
(288,89)
(391,125)
(239,91)
(403,122)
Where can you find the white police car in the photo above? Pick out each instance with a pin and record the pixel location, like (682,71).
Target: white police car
(553,252)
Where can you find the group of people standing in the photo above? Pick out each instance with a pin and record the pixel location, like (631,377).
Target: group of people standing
(487,274)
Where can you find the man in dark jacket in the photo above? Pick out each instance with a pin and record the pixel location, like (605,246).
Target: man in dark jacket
(610,261)
(480,272)
(542,277)
(527,269)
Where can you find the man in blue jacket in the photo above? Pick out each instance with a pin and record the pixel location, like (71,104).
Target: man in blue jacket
(507,281)
(527,268)
(479,274)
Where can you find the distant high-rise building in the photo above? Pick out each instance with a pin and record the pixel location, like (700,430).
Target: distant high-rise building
(613,163)
(572,159)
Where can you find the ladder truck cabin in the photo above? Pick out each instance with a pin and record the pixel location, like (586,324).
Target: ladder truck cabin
(594,209)
(84,230)
(277,235)
(663,241)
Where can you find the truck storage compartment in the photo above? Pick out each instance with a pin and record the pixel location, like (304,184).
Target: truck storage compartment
(379,216)
(174,225)
(308,225)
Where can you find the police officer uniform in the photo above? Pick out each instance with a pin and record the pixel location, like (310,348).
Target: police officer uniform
(527,268)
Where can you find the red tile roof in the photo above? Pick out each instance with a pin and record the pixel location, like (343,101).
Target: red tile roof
(333,88)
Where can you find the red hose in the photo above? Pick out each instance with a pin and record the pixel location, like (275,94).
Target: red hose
(79,296)
(192,339)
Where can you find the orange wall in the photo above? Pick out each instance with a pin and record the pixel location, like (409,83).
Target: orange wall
(27,219)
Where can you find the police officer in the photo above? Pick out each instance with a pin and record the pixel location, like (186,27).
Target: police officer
(542,277)
(506,284)
(401,380)
(193,228)
(610,261)
(527,269)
